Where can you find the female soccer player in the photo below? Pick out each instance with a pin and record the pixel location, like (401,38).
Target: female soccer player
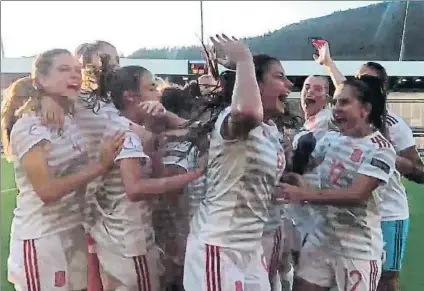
(394,208)
(345,248)
(246,160)
(124,233)
(52,169)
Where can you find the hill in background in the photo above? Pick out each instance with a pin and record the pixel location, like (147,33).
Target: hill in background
(368,33)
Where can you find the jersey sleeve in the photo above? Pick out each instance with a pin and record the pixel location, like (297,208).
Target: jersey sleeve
(26,134)
(401,136)
(177,153)
(379,164)
(132,148)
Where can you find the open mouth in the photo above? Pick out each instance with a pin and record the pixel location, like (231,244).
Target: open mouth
(309,102)
(75,87)
(338,120)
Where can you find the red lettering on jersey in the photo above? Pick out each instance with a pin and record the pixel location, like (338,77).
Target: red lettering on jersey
(59,279)
(356,155)
(336,171)
(381,142)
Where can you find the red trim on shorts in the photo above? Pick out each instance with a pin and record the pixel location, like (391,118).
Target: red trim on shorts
(275,256)
(31,266)
(373,275)
(213,268)
(142,271)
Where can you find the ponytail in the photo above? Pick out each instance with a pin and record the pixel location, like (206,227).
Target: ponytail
(16,99)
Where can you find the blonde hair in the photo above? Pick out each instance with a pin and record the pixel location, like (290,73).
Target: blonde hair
(24,94)
(15,98)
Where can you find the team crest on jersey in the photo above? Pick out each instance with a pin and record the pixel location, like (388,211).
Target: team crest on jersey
(356,156)
(129,143)
(33,130)
(59,279)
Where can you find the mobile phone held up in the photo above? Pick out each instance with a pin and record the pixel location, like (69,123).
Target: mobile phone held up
(313,41)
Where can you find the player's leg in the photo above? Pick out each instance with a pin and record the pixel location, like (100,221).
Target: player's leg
(394,236)
(357,275)
(94,276)
(38,264)
(314,272)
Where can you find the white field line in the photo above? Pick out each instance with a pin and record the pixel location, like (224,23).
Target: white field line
(9,190)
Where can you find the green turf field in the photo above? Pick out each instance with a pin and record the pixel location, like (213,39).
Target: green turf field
(412,276)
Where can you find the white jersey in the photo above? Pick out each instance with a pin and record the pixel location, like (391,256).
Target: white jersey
(355,231)
(65,154)
(128,223)
(395,202)
(241,179)
(319,125)
(91,119)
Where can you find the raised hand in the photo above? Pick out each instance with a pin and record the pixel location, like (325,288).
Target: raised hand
(235,50)
(324,57)
(152,108)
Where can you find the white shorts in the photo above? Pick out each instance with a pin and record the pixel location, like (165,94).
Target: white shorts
(121,273)
(210,267)
(52,263)
(322,268)
(273,246)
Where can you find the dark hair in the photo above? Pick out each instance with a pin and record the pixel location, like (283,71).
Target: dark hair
(369,89)
(125,78)
(287,119)
(100,76)
(381,73)
(178,101)
(220,100)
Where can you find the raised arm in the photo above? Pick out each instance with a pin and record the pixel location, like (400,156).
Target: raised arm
(246,103)
(324,59)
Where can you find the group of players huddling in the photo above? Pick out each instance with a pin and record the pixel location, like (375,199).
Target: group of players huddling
(217,186)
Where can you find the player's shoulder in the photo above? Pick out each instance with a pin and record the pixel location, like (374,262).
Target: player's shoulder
(378,142)
(394,120)
(29,124)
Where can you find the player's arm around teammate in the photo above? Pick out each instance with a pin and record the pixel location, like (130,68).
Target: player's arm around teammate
(51,168)
(346,248)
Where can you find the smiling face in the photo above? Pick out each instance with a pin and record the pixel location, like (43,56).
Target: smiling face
(349,114)
(314,95)
(275,86)
(62,78)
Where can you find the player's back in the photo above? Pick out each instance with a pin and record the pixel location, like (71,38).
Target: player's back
(352,231)
(241,179)
(65,155)
(128,223)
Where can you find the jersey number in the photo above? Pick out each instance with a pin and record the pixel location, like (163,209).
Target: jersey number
(336,171)
(353,276)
